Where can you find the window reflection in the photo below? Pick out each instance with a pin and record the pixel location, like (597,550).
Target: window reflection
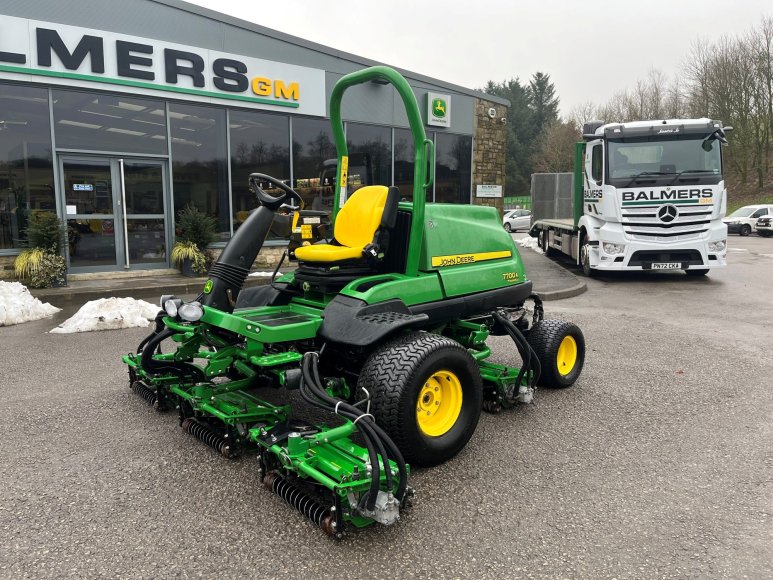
(199,161)
(314,162)
(453,169)
(370,155)
(98,122)
(26,165)
(404,158)
(260,143)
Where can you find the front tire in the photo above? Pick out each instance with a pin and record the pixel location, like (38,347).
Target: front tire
(508,229)
(746,230)
(426,394)
(560,349)
(585,260)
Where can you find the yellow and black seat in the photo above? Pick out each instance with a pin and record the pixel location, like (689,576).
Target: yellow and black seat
(360,238)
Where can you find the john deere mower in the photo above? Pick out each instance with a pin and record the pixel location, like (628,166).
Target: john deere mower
(383,328)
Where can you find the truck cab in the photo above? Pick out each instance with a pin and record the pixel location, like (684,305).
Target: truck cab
(648,195)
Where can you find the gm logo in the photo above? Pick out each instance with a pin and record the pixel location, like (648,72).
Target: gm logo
(439,108)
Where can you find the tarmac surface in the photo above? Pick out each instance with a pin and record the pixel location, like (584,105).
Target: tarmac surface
(551,281)
(656,464)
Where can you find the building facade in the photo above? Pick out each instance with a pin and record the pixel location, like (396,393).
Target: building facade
(115,116)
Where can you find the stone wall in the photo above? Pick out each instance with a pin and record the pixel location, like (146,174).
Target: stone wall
(488,162)
(6,267)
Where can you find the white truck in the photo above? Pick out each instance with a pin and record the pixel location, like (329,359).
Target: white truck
(645,195)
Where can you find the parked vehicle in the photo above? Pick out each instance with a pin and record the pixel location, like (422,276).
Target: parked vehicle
(646,195)
(517,219)
(744,220)
(765,225)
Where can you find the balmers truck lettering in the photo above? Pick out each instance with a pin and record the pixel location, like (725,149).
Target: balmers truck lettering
(666,194)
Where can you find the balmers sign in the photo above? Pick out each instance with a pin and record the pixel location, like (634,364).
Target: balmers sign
(73,56)
(668,195)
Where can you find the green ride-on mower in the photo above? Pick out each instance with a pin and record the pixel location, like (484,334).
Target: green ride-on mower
(384,328)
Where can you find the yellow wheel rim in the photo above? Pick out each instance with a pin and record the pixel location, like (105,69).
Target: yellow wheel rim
(439,404)
(566,357)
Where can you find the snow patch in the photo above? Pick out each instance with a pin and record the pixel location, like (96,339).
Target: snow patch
(260,274)
(529,242)
(109,314)
(17,305)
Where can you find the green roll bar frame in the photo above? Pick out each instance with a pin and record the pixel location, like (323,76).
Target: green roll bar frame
(424,148)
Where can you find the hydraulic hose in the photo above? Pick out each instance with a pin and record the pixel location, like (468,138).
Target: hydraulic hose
(529,357)
(373,435)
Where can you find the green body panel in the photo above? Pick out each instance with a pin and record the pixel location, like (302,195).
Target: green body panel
(426,287)
(464,238)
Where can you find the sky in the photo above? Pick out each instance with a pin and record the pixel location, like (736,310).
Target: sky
(590,48)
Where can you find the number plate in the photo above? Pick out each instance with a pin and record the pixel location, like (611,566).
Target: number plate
(666,265)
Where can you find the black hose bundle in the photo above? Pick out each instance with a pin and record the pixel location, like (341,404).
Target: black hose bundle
(377,442)
(530,359)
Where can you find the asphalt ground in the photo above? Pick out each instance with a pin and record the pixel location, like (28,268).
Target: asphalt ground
(657,463)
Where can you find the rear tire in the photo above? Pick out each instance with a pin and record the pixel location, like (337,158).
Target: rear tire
(543,243)
(426,394)
(696,273)
(560,349)
(746,229)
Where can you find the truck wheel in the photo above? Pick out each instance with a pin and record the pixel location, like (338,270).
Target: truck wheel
(697,272)
(746,229)
(560,349)
(543,243)
(585,260)
(426,394)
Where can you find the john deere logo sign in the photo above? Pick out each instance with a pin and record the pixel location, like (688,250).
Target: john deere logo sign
(438,110)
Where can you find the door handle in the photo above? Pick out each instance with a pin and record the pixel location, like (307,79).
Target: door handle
(122,204)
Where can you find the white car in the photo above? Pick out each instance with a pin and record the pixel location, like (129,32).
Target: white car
(744,220)
(517,219)
(765,226)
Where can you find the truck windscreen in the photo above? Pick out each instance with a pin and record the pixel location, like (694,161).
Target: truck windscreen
(663,161)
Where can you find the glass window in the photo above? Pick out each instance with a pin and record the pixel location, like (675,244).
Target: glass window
(404,158)
(314,162)
(199,161)
(98,122)
(596,164)
(26,164)
(453,168)
(370,155)
(260,143)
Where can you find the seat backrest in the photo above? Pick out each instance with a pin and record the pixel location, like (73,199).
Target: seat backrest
(362,214)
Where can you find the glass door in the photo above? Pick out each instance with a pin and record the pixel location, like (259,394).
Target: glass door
(116,213)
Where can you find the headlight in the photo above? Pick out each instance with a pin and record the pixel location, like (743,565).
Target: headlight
(191,311)
(172,305)
(717,246)
(612,249)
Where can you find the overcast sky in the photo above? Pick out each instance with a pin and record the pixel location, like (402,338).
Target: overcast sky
(590,48)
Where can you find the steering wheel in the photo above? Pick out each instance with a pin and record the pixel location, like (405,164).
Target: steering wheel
(280,201)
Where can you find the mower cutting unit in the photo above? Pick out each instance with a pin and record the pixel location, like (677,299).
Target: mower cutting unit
(384,328)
